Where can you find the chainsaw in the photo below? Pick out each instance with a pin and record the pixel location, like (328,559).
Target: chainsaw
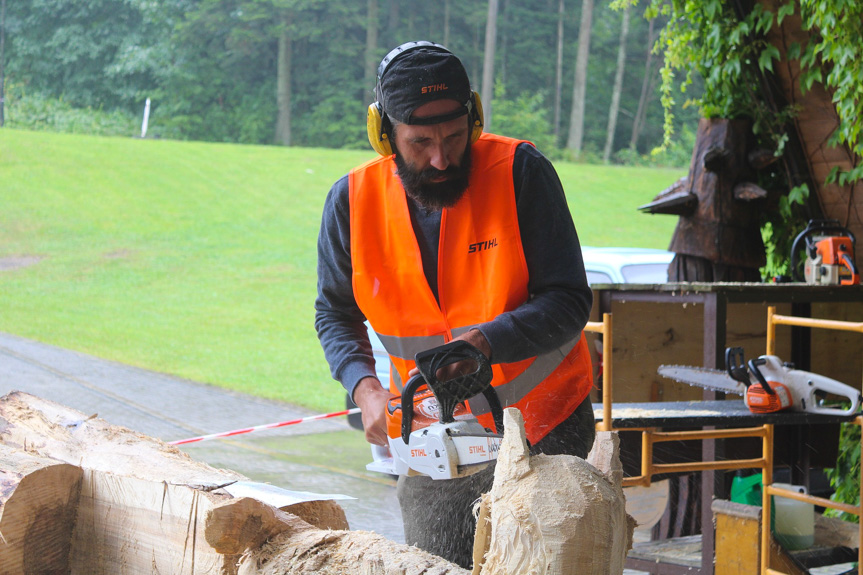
(768,385)
(829,254)
(430,430)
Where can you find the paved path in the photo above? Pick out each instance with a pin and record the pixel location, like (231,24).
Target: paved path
(297,457)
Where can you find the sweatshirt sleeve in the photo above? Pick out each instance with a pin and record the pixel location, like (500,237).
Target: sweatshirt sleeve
(338,319)
(560,298)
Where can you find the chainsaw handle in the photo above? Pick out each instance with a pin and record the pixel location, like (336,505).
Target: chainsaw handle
(808,385)
(450,392)
(735,365)
(408,393)
(491,396)
(753,368)
(852,267)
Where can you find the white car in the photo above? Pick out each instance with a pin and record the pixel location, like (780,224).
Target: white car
(626,265)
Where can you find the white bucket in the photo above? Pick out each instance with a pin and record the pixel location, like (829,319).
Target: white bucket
(794,521)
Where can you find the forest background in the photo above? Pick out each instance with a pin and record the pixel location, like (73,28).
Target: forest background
(579,78)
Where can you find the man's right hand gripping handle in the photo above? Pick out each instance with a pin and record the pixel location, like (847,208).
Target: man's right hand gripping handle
(372,399)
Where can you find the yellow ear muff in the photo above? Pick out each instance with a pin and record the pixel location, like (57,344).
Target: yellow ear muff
(379,139)
(477,119)
(374,126)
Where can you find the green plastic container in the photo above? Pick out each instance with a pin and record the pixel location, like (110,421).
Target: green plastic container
(747,490)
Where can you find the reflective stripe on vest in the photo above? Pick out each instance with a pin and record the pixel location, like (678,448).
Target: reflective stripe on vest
(481,274)
(510,392)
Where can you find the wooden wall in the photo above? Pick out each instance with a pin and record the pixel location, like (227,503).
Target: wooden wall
(649,334)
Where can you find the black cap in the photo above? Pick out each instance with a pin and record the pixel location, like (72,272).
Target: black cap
(417,73)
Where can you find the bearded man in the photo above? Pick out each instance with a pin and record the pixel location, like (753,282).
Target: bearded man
(454,234)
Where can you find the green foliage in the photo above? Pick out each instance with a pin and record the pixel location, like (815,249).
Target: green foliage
(845,477)
(835,58)
(727,51)
(524,118)
(678,154)
(43,113)
(210,66)
(94,53)
(779,230)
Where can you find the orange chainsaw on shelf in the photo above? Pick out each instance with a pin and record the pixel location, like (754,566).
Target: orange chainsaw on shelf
(768,384)
(430,430)
(830,251)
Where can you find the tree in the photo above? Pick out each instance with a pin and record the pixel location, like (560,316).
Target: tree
(2,62)
(288,71)
(579,86)
(283,86)
(618,85)
(558,76)
(99,53)
(371,53)
(647,86)
(488,63)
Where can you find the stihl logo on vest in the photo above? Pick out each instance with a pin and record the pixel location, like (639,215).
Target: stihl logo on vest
(480,246)
(434,88)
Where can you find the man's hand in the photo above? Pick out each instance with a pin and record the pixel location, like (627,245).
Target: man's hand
(372,399)
(476,339)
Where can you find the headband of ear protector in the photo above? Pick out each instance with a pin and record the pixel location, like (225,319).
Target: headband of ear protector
(379,126)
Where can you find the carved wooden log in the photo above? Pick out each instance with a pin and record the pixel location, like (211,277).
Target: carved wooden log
(553,514)
(722,229)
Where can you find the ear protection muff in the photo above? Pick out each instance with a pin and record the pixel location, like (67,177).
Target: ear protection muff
(378,126)
(477,121)
(378,135)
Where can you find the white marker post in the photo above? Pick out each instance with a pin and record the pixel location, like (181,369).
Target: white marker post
(146,119)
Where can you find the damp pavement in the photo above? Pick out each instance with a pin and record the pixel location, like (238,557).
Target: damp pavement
(325,456)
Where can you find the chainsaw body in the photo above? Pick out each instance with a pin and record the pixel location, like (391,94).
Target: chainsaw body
(830,252)
(803,387)
(768,385)
(430,430)
(773,385)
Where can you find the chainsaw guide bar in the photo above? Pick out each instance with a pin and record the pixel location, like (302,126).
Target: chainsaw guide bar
(712,379)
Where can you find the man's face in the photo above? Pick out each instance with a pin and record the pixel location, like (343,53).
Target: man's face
(434,161)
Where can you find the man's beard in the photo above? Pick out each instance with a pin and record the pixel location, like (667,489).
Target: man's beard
(434,196)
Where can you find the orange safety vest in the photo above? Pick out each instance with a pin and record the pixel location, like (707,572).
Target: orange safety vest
(482,273)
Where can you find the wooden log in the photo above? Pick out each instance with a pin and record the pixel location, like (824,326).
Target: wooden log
(128,503)
(38,502)
(553,514)
(132,504)
(341,553)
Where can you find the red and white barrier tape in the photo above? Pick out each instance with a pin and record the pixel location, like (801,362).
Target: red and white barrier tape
(266,426)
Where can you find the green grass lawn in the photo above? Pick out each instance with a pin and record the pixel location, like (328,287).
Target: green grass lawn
(198,259)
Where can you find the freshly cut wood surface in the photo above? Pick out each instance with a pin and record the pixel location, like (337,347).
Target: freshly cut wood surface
(342,553)
(59,432)
(131,525)
(38,502)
